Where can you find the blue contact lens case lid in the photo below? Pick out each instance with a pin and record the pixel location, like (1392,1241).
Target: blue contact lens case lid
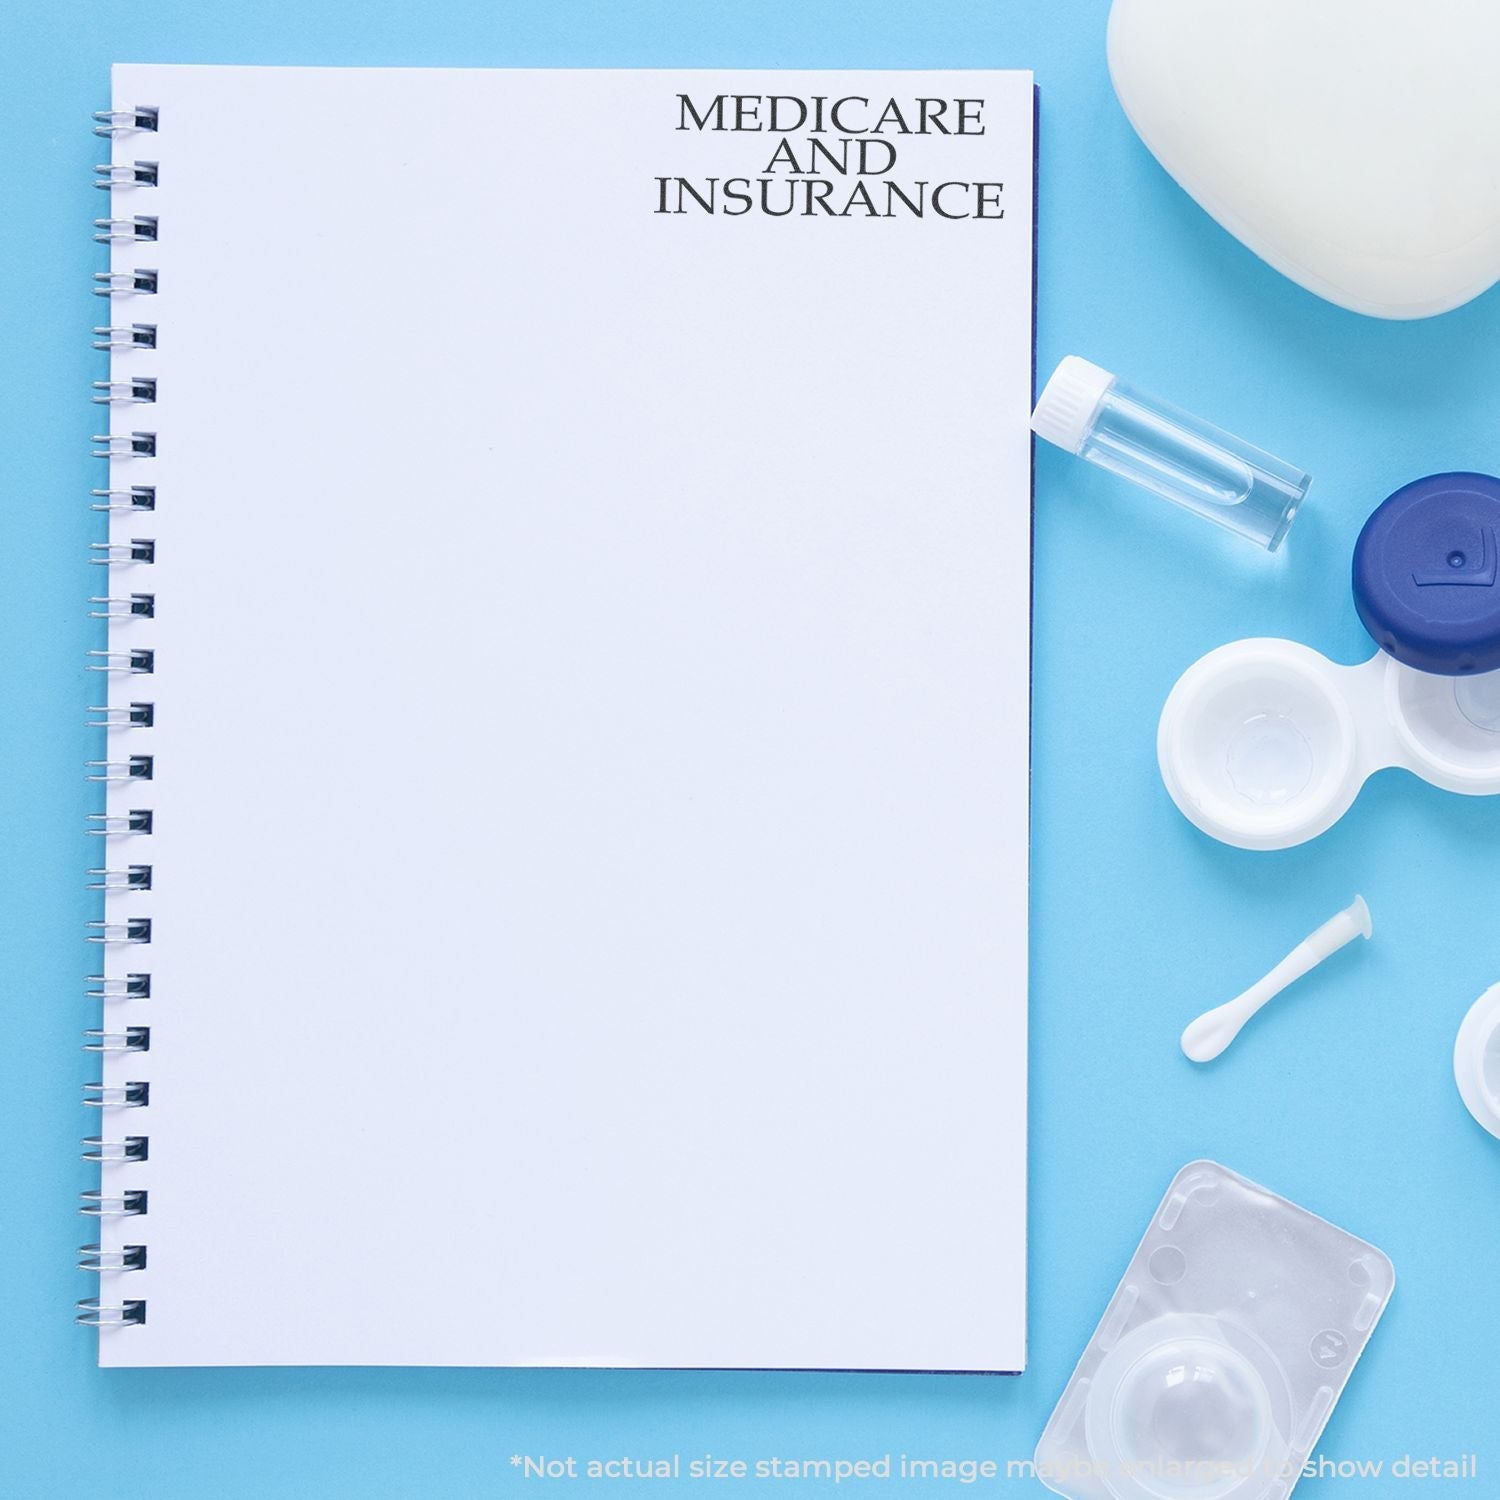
(1427,574)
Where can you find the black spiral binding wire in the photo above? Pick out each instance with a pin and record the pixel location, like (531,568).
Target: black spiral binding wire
(131,181)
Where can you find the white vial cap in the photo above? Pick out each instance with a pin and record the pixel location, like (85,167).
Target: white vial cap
(1476,1060)
(1069,402)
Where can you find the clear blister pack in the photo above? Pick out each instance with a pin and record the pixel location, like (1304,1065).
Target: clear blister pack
(1222,1352)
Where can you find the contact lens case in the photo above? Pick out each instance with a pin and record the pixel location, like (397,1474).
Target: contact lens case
(1221,1354)
(1265,743)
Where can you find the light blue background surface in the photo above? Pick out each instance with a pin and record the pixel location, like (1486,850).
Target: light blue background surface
(1341,1098)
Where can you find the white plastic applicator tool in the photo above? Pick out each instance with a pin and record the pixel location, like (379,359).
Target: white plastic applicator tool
(1214,1030)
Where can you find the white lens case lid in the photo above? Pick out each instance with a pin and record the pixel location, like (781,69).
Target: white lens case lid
(1222,1352)
(1476,1060)
(1265,743)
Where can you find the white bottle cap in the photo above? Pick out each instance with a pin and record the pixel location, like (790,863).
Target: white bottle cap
(1070,401)
(1476,1060)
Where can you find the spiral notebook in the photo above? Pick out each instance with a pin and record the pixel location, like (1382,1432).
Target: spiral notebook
(564,767)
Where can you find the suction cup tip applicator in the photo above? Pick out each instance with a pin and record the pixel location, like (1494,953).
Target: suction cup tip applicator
(1214,1030)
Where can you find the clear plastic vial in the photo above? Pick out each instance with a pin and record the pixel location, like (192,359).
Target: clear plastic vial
(1170,452)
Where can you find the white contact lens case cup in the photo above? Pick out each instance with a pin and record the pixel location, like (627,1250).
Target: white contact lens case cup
(1222,1352)
(1476,1060)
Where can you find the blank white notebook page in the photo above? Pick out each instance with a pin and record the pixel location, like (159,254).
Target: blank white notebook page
(589,762)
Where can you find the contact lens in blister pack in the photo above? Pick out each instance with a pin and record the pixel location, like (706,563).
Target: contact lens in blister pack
(1221,1353)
